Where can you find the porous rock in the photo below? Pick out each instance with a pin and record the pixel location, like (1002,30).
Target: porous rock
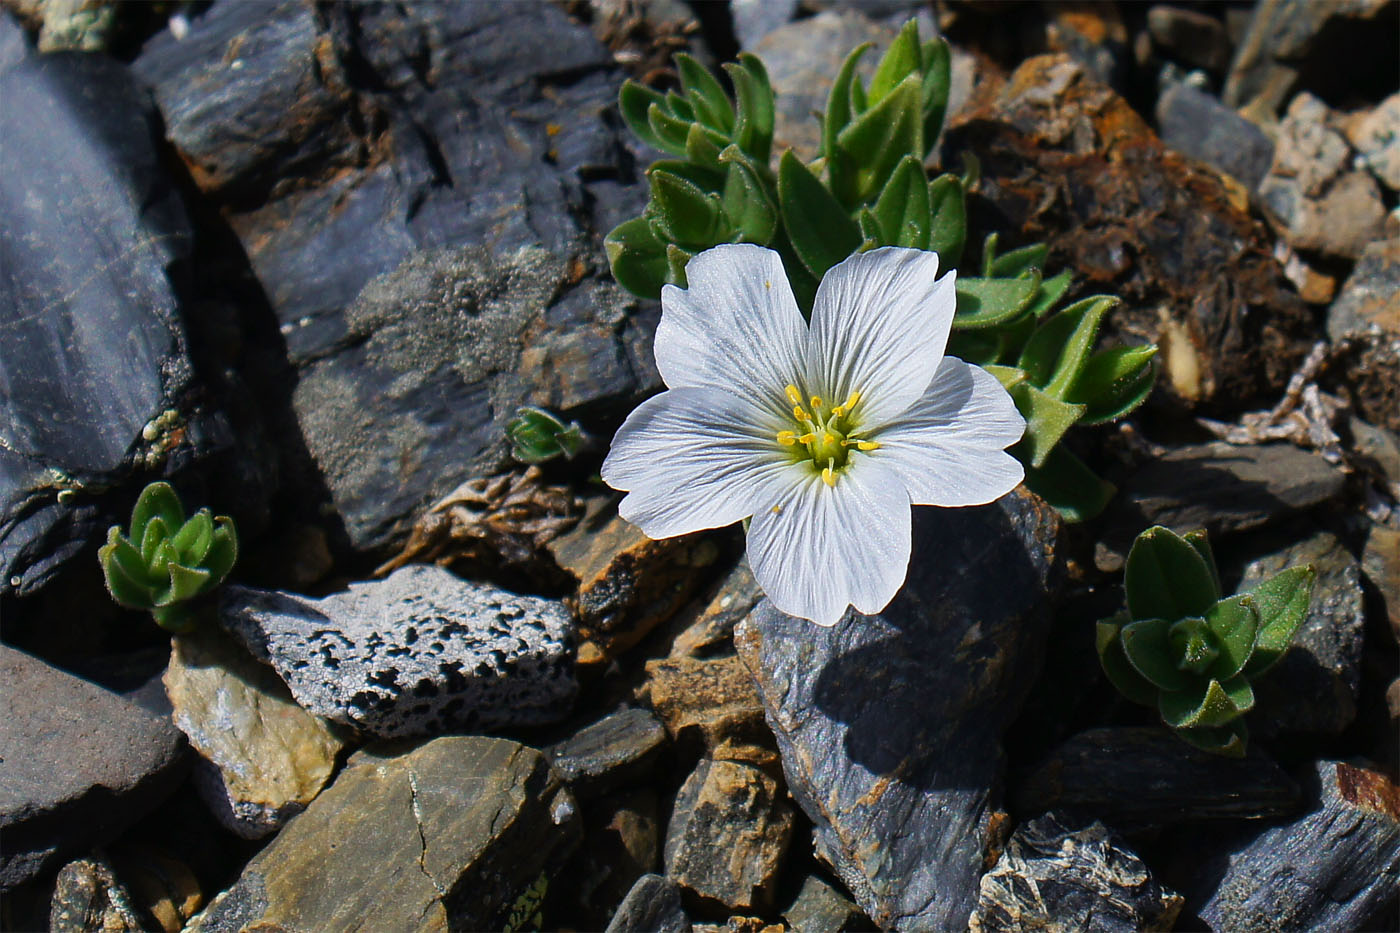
(1375,134)
(419,653)
(653,905)
(888,725)
(396,844)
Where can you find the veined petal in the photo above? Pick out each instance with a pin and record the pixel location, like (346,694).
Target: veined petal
(693,458)
(879,326)
(817,549)
(735,327)
(949,447)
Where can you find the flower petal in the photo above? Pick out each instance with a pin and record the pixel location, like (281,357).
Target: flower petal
(693,458)
(948,448)
(827,547)
(735,327)
(879,326)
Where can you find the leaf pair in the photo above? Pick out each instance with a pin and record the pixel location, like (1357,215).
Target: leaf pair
(537,435)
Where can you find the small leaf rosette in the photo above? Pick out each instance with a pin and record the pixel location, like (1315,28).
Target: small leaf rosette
(538,436)
(166,560)
(1183,649)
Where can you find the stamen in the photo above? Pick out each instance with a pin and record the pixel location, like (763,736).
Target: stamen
(793,395)
(809,438)
(800,413)
(829,476)
(867,445)
(776,509)
(816,402)
(787,438)
(828,438)
(851,400)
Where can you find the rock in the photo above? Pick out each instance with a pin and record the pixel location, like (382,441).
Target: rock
(1218,487)
(1171,781)
(422,854)
(820,908)
(729,830)
(1315,687)
(161,885)
(1365,312)
(1376,136)
(78,765)
(264,757)
(652,906)
(628,583)
(1337,868)
(88,898)
(1378,445)
(712,705)
(1195,39)
(621,843)
(1067,161)
(888,725)
(1337,223)
(616,750)
(419,653)
(712,625)
(1196,124)
(1093,35)
(754,19)
(1058,874)
(1381,564)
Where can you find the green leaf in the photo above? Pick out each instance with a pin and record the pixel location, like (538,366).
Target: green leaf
(193,539)
(223,550)
(1073,489)
(902,59)
(156,536)
(747,205)
(838,106)
(972,171)
(1115,382)
(699,148)
(1051,291)
(1058,350)
(937,66)
(637,257)
(1228,740)
(157,500)
(948,227)
(1166,578)
(991,302)
(711,104)
(878,139)
(125,571)
(671,131)
(1235,624)
(974,346)
(903,207)
(1282,602)
(1047,420)
(1193,644)
(821,232)
(1115,663)
(1199,540)
(634,100)
(1008,376)
(676,259)
(1221,703)
(753,127)
(870,230)
(1019,262)
(679,107)
(681,212)
(185,582)
(1148,648)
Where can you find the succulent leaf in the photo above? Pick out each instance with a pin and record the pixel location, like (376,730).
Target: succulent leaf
(948,225)
(746,202)
(680,211)
(880,137)
(1074,490)
(710,103)
(223,550)
(670,130)
(903,58)
(1193,644)
(903,207)
(157,500)
(753,124)
(193,539)
(821,232)
(838,114)
(637,257)
(1282,602)
(1220,703)
(1149,649)
(1115,663)
(1228,740)
(1047,420)
(1051,291)
(937,68)
(1166,578)
(1115,382)
(1019,262)
(1199,540)
(1058,350)
(676,260)
(155,537)
(634,100)
(185,583)
(125,572)
(1234,623)
(986,303)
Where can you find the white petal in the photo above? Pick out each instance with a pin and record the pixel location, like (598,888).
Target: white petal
(830,547)
(693,458)
(879,326)
(735,327)
(948,447)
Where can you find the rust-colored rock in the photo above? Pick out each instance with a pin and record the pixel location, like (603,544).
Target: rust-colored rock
(713,703)
(1066,160)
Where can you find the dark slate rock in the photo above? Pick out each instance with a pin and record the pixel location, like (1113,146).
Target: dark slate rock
(92,234)
(1314,687)
(1136,778)
(621,843)
(616,750)
(1191,37)
(1058,873)
(1196,124)
(78,765)
(652,906)
(419,653)
(820,908)
(888,725)
(459,834)
(1337,868)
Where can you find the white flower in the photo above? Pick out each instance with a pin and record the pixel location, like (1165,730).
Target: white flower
(825,435)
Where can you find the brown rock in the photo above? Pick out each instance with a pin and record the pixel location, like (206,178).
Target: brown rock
(1068,161)
(88,898)
(621,843)
(1367,315)
(706,627)
(1192,37)
(728,833)
(711,703)
(1380,562)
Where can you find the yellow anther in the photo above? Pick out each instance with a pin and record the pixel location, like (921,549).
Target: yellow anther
(867,445)
(787,438)
(776,509)
(851,400)
(793,395)
(767,284)
(800,413)
(809,438)
(816,402)
(828,438)
(829,477)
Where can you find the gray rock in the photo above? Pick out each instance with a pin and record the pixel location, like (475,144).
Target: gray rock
(422,652)
(78,765)
(889,725)
(463,833)
(1059,874)
(1366,313)
(616,750)
(1191,37)
(729,831)
(1378,445)
(652,906)
(754,19)
(1376,136)
(88,898)
(705,629)
(1314,688)
(1337,868)
(1170,781)
(1196,124)
(14,43)
(820,908)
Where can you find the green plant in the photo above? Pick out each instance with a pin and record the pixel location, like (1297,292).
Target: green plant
(537,435)
(1183,649)
(165,561)
(867,189)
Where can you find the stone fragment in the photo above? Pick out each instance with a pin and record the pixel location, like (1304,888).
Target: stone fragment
(1094,35)
(1376,135)
(1338,223)
(652,906)
(1191,37)
(88,898)
(1378,445)
(1061,874)
(1381,564)
(711,704)
(712,625)
(628,583)
(889,725)
(397,844)
(78,765)
(1315,687)
(1196,124)
(160,884)
(621,843)
(1067,161)
(618,749)
(729,830)
(1171,781)
(754,19)
(1336,868)
(1366,314)
(264,757)
(419,653)
(820,908)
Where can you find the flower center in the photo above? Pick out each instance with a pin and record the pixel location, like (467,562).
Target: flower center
(823,436)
